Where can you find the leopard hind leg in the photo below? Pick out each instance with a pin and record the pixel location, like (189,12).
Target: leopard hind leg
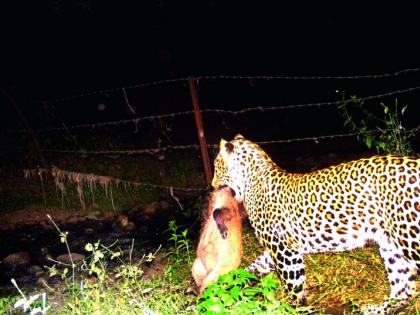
(401,275)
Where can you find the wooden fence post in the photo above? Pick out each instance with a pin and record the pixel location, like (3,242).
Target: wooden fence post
(200,129)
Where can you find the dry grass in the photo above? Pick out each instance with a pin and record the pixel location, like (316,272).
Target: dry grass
(339,283)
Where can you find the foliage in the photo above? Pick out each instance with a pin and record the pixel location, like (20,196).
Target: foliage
(385,132)
(179,168)
(6,303)
(334,279)
(241,292)
(180,249)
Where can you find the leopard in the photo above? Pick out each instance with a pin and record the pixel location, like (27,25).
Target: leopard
(219,249)
(338,208)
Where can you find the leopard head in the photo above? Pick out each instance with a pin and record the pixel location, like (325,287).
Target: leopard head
(235,162)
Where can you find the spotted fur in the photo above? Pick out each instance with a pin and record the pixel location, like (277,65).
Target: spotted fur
(338,208)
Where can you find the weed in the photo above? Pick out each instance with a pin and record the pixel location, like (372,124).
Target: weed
(180,250)
(384,133)
(6,304)
(241,292)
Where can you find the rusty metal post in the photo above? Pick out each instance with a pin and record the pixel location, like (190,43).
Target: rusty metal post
(200,129)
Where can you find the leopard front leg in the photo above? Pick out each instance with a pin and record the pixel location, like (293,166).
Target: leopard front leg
(288,265)
(262,265)
(290,268)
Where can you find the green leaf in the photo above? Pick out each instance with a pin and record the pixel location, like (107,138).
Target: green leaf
(88,247)
(382,145)
(368,142)
(217,308)
(235,292)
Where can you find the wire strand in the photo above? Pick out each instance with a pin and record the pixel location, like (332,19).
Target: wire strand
(237,77)
(226,111)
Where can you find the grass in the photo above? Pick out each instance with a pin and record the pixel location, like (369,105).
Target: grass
(178,169)
(336,283)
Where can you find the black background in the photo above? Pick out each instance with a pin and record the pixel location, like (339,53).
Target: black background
(55,49)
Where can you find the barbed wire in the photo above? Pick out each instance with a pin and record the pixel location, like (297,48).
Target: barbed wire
(118,89)
(235,77)
(196,146)
(306,105)
(318,77)
(129,152)
(214,146)
(137,120)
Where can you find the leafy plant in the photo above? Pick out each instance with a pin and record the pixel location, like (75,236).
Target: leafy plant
(241,292)
(384,133)
(6,303)
(180,249)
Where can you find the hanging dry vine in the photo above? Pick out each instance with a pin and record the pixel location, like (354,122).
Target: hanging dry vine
(91,181)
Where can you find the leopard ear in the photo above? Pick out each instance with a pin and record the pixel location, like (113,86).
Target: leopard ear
(239,136)
(225,146)
(229,147)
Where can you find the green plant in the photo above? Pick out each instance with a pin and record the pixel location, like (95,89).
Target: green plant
(6,304)
(384,132)
(241,292)
(180,249)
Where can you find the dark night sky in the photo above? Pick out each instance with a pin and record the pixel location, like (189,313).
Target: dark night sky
(57,48)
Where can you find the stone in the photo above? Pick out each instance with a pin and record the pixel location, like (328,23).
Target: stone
(124,223)
(72,220)
(143,229)
(42,282)
(34,269)
(17,258)
(89,231)
(65,258)
(39,273)
(150,209)
(164,205)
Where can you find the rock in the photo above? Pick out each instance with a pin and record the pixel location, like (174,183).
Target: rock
(74,243)
(34,269)
(109,216)
(92,217)
(124,223)
(125,241)
(72,220)
(164,205)
(150,209)
(89,231)
(95,215)
(18,258)
(65,258)
(42,282)
(26,280)
(143,229)
(39,273)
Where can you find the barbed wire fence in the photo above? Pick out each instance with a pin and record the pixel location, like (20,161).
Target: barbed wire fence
(197,112)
